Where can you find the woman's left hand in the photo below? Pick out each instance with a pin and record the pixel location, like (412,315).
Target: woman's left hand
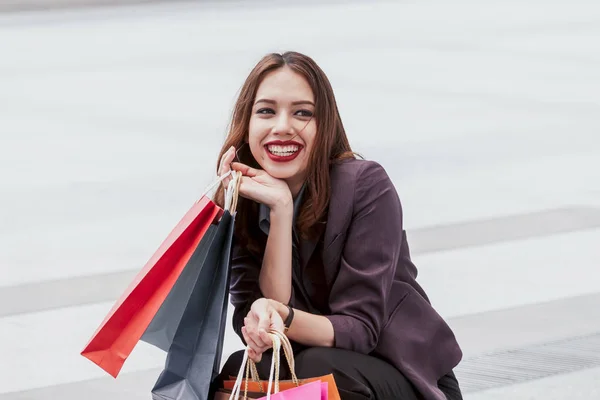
(262,317)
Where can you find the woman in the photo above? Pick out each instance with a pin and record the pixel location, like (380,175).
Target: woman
(320,251)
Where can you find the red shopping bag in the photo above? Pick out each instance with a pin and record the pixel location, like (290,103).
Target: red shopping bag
(126,322)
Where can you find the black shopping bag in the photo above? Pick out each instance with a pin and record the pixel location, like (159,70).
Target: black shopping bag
(194,357)
(161,330)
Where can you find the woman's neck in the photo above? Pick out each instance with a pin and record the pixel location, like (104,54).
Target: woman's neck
(295,187)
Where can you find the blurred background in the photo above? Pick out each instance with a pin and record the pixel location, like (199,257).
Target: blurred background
(486,114)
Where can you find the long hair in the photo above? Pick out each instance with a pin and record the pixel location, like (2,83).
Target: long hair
(331,145)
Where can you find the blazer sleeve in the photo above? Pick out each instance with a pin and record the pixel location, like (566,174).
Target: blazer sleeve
(368,263)
(244,288)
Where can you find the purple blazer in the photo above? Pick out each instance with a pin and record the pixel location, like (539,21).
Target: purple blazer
(375,304)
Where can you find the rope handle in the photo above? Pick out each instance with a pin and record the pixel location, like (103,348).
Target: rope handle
(233,191)
(248,368)
(289,354)
(247,365)
(215,183)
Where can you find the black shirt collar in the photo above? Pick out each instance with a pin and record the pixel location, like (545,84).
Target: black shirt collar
(264,220)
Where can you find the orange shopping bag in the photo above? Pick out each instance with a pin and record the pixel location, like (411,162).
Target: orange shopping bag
(122,328)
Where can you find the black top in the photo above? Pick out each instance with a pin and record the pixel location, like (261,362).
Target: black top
(308,285)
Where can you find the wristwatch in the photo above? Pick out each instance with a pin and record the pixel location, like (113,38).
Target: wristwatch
(289,319)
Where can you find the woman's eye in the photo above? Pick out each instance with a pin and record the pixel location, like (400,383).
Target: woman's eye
(304,113)
(265,111)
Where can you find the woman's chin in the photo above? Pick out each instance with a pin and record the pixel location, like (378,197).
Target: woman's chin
(283,173)
(279,173)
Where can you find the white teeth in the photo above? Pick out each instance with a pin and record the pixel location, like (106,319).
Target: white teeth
(282,150)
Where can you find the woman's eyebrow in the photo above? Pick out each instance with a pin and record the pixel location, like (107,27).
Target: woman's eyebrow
(294,103)
(265,101)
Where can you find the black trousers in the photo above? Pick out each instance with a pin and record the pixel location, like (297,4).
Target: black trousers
(357,376)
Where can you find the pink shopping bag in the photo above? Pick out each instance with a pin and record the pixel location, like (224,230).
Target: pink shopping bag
(316,390)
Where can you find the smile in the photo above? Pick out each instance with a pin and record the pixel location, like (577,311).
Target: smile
(279,150)
(283,152)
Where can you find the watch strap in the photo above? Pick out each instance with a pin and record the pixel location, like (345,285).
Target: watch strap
(290,317)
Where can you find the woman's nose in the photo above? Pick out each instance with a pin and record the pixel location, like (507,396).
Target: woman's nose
(283,125)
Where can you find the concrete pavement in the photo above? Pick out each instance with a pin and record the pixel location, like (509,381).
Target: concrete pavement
(486,116)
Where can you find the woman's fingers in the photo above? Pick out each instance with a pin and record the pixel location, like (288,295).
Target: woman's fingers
(254,335)
(254,354)
(225,165)
(276,322)
(264,323)
(251,189)
(245,169)
(248,331)
(254,351)
(250,342)
(226,159)
(254,190)
(261,342)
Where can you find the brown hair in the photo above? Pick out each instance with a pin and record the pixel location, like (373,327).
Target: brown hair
(331,144)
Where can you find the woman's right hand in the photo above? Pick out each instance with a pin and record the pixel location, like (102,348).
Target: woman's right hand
(259,186)
(256,184)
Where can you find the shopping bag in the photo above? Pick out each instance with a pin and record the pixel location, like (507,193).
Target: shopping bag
(311,391)
(314,390)
(122,328)
(162,328)
(257,386)
(194,356)
(294,392)
(255,391)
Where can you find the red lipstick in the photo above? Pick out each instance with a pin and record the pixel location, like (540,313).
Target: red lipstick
(283,158)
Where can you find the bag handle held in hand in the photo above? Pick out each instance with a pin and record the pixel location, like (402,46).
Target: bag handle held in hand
(249,367)
(289,356)
(246,366)
(232,192)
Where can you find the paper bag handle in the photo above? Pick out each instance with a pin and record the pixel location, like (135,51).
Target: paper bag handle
(215,183)
(247,365)
(232,192)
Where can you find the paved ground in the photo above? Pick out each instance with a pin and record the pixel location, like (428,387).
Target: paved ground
(486,115)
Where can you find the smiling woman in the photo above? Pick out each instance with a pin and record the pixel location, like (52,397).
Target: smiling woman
(320,251)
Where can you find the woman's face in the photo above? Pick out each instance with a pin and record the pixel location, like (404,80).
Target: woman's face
(282,127)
